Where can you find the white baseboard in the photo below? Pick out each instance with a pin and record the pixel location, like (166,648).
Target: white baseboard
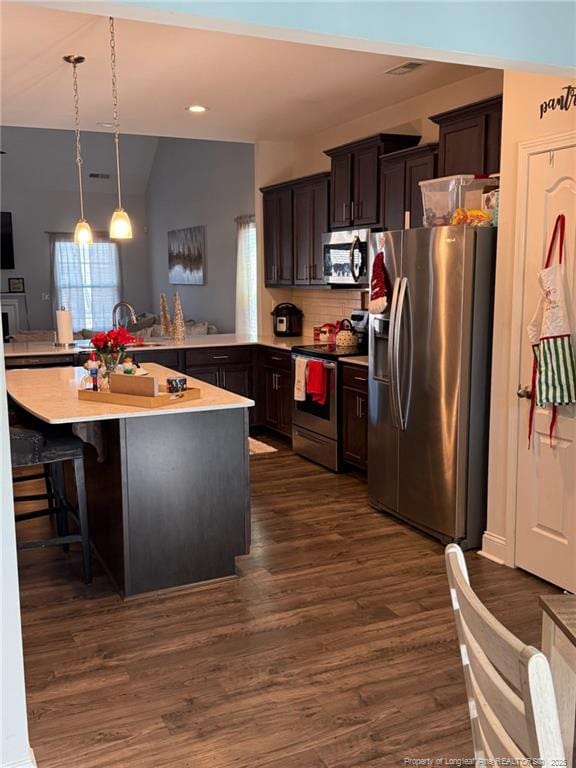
(27,762)
(494,548)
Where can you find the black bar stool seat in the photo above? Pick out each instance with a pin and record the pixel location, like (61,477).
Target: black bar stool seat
(52,447)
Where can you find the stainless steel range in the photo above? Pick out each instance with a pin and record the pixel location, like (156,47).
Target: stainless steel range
(316,432)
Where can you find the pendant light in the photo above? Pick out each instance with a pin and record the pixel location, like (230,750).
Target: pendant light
(120,226)
(82,232)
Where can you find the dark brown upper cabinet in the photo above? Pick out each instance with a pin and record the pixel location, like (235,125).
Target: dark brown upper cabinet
(470,138)
(355,178)
(400,174)
(295,217)
(341,186)
(277,207)
(311,205)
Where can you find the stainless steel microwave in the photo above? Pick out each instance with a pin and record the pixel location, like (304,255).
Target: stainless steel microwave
(346,257)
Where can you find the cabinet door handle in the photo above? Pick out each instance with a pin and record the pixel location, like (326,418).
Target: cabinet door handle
(360,414)
(313,270)
(275,358)
(359,378)
(360,208)
(352,210)
(223,379)
(220,357)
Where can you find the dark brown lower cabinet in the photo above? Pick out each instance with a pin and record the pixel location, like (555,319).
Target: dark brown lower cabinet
(230,368)
(355,416)
(277,405)
(274,390)
(209,375)
(234,378)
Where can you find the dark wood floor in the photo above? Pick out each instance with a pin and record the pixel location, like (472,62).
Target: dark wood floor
(335,648)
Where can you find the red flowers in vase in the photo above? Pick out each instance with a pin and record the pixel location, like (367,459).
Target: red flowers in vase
(111,348)
(113,341)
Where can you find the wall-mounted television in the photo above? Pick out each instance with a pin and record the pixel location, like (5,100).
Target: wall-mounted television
(6,241)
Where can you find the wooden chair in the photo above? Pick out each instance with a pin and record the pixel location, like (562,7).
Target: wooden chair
(510,693)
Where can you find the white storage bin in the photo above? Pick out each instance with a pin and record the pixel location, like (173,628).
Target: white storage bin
(441,197)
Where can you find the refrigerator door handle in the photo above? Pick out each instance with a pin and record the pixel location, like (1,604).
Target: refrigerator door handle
(392,356)
(403,301)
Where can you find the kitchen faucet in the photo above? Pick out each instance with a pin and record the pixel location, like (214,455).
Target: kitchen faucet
(118,306)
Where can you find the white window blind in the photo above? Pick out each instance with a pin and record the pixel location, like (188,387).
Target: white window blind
(246,279)
(87,281)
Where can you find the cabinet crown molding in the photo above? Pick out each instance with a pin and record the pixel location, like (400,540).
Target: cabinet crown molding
(395,141)
(324,175)
(486,105)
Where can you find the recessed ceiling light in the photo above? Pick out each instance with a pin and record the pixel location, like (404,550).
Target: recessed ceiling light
(196,108)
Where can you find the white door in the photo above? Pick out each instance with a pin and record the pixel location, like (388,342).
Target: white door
(546,495)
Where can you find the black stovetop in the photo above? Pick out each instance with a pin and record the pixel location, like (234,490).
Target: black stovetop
(328,351)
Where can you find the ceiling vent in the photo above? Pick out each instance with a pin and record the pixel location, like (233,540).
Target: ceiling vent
(98,175)
(406,68)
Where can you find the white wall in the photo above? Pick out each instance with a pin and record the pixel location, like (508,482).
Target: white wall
(14,745)
(280,161)
(521,122)
(200,183)
(39,187)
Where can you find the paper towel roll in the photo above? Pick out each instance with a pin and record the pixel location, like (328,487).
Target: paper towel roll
(64,334)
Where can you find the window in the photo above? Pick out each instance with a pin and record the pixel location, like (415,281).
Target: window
(87,281)
(246,281)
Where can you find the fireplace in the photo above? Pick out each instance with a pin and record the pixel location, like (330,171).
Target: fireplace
(14,314)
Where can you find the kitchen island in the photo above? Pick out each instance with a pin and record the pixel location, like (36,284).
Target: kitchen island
(168,489)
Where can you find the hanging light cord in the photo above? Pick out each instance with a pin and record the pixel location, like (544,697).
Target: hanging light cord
(79,160)
(115,115)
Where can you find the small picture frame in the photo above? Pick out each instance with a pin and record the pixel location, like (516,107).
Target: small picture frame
(16,285)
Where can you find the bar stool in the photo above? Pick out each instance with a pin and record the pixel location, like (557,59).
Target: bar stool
(31,447)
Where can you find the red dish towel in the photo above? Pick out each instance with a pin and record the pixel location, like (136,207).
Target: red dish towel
(316,382)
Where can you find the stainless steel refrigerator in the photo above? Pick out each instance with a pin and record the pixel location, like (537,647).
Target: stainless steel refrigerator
(429,379)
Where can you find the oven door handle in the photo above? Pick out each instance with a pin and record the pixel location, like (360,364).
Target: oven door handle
(327,365)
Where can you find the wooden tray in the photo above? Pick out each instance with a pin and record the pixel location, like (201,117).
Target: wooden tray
(140,401)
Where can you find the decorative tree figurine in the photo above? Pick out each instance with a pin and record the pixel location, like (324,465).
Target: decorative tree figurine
(178,327)
(165,322)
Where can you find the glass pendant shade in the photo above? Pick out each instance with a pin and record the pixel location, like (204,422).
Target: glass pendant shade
(83,233)
(120,226)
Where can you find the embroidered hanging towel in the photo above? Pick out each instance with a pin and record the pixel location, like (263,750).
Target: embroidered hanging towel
(554,368)
(379,283)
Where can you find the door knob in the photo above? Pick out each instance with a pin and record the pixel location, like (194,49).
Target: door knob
(525,392)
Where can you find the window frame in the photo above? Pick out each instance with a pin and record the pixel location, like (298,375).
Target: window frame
(68,237)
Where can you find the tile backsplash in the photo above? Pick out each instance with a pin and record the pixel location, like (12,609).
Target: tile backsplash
(325,306)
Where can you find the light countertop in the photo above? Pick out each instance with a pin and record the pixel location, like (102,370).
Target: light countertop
(42,348)
(51,394)
(355,360)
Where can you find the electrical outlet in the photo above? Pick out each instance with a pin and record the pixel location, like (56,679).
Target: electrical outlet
(45,296)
